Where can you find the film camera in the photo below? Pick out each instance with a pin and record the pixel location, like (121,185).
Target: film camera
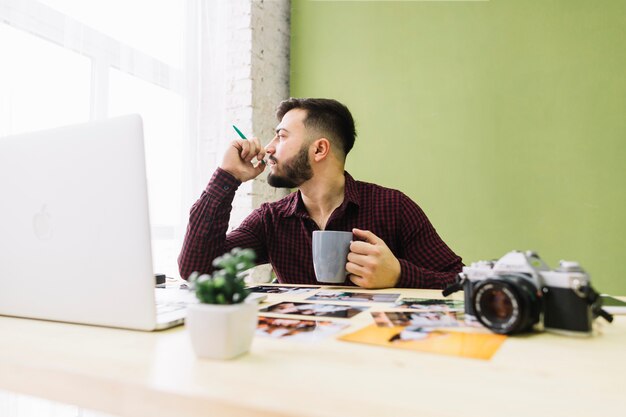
(519,293)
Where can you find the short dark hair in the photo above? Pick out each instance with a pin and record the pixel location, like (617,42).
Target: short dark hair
(328,116)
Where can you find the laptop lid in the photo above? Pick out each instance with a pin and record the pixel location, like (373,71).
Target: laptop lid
(74,226)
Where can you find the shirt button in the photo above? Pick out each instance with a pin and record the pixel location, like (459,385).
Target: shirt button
(226,188)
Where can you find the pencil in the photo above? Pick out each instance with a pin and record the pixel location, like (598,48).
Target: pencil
(242,136)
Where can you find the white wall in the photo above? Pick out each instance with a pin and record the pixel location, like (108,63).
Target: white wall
(243,70)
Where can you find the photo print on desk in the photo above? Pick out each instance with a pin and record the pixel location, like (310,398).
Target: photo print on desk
(417,318)
(431,304)
(270,289)
(445,342)
(315,310)
(293,329)
(370,297)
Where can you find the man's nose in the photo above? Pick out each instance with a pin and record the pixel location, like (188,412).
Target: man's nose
(270,148)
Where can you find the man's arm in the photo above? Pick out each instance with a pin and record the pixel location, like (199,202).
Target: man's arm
(206,236)
(426,261)
(412,276)
(208,221)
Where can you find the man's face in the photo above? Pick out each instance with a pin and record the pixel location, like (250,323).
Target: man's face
(289,152)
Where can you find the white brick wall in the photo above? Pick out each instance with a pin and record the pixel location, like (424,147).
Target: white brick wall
(243,71)
(270,77)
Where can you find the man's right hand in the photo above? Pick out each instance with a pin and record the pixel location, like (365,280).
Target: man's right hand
(238,159)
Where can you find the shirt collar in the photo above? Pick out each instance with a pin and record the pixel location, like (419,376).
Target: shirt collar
(351,195)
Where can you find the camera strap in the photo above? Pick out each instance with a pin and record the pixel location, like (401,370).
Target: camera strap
(594,300)
(456,286)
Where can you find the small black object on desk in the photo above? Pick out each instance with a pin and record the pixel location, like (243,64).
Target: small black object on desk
(159,279)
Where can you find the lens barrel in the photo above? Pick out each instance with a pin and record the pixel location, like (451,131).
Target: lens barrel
(507,304)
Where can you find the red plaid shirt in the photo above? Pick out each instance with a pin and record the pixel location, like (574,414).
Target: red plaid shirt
(280,233)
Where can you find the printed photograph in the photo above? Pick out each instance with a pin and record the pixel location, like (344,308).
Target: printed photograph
(303,330)
(270,289)
(354,296)
(417,318)
(445,342)
(316,310)
(416,333)
(431,304)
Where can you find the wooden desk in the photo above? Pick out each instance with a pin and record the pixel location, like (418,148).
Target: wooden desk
(136,374)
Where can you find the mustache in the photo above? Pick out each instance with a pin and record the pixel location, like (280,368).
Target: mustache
(271,158)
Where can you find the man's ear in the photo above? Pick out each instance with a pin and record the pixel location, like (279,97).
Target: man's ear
(321,149)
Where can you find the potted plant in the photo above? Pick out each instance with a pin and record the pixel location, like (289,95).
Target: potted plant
(222,324)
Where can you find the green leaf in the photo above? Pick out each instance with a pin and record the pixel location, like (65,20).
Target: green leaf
(226,285)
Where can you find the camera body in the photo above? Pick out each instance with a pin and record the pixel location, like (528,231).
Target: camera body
(520,293)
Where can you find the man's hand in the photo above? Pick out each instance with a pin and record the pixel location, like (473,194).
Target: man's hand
(371,264)
(238,159)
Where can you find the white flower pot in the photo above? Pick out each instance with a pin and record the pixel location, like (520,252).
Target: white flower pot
(221,331)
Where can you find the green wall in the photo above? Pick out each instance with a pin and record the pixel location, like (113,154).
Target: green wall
(504,120)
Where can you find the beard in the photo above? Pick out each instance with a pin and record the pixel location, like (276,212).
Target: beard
(296,171)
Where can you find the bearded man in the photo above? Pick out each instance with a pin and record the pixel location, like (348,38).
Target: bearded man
(395,244)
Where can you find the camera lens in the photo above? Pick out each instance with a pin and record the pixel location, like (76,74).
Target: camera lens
(507,304)
(497,303)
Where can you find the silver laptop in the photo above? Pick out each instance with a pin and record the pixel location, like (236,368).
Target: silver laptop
(74,227)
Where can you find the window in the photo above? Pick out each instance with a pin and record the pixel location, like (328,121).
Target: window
(153,27)
(35,76)
(70,61)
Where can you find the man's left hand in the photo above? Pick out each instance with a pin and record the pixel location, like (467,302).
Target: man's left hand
(371,264)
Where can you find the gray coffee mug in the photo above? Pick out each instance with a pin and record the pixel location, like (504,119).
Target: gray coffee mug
(330,253)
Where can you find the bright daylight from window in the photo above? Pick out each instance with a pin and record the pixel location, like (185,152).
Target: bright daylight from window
(71,61)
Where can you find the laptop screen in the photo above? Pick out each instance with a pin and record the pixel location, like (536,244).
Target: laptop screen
(74,225)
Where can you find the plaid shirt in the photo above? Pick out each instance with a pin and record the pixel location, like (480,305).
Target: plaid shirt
(281,232)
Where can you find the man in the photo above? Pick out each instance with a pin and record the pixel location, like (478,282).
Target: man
(395,245)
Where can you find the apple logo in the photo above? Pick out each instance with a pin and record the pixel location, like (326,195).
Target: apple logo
(42,224)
